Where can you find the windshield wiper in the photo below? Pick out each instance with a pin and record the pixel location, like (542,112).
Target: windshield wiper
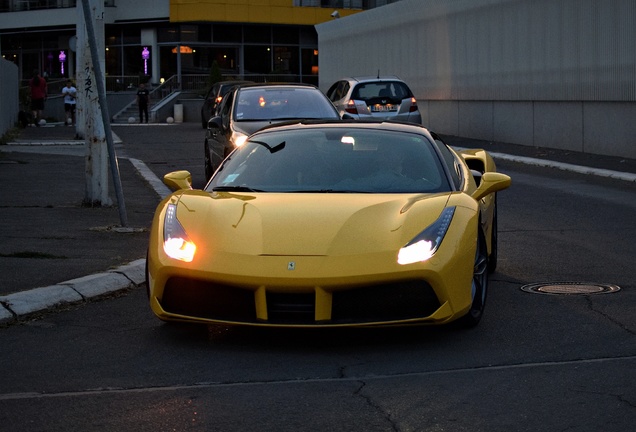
(235,189)
(271,149)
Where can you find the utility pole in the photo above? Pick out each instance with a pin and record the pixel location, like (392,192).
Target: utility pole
(93,109)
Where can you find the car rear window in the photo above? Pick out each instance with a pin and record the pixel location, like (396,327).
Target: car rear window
(379,89)
(282,104)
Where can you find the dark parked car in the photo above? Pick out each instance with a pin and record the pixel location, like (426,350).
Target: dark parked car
(214,97)
(248,108)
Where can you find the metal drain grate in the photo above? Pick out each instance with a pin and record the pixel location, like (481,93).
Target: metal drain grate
(570,288)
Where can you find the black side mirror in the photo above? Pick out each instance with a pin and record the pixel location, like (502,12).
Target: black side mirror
(215,122)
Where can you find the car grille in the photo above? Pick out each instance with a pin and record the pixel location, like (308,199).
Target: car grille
(379,303)
(205,300)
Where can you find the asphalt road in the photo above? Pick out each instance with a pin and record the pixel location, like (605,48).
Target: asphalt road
(536,362)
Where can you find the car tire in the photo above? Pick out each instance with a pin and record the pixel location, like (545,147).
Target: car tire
(208,161)
(479,285)
(492,258)
(147,278)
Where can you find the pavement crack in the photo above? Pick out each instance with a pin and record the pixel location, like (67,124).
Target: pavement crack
(375,406)
(590,305)
(619,397)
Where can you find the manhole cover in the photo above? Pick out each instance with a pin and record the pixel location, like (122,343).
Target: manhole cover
(570,288)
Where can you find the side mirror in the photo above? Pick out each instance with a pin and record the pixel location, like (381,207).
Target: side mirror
(215,122)
(178,180)
(491,182)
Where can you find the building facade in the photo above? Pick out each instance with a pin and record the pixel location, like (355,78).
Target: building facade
(547,73)
(154,40)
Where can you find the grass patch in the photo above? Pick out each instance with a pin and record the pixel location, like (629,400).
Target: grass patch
(9,136)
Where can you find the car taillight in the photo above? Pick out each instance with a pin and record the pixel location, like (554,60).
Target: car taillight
(413,106)
(351,107)
(219,99)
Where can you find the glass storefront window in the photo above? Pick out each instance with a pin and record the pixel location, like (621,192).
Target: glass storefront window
(226,33)
(257,34)
(133,63)
(285,34)
(286,50)
(189,33)
(308,36)
(167,34)
(205,33)
(131,35)
(309,61)
(112,35)
(286,60)
(113,61)
(168,63)
(257,59)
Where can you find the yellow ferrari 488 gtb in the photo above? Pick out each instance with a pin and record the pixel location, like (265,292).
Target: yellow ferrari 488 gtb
(327,224)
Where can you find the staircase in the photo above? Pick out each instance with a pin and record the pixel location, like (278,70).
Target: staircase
(157,95)
(131,110)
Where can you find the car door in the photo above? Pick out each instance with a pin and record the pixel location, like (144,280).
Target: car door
(337,93)
(217,135)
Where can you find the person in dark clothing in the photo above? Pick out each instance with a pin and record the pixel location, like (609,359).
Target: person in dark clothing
(142,101)
(39,94)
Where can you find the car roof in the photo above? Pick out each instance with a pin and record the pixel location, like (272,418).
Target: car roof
(279,85)
(234,82)
(372,78)
(396,126)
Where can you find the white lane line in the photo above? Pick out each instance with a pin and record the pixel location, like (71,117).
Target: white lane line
(159,187)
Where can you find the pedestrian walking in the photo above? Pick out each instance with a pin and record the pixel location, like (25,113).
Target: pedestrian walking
(39,93)
(142,101)
(70,102)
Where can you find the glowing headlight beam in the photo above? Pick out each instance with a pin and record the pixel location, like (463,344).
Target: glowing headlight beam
(426,243)
(176,243)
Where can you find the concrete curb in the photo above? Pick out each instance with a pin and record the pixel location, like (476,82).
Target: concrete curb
(567,167)
(17,305)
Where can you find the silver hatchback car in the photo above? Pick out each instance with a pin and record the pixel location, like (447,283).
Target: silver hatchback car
(375,98)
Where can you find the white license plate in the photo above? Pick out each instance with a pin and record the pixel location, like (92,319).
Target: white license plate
(382,108)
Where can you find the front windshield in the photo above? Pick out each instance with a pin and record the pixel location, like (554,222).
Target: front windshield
(333,160)
(285,103)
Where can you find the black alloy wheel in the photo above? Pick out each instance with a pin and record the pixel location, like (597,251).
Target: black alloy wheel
(147,276)
(492,258)
(479,285)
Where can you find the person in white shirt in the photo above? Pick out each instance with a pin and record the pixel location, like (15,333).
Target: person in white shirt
(70,102)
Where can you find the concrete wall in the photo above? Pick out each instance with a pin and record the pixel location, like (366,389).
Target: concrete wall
(558,124)
(9,87)
(550,73)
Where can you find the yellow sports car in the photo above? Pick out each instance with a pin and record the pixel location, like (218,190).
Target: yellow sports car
(327,224)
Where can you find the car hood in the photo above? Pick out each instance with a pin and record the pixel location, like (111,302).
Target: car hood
(287,224)
(249,127)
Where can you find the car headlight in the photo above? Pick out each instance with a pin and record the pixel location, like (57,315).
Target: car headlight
(238,139)
(426,243)
(176,243)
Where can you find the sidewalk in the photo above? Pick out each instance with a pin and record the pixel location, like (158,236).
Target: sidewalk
(47,236)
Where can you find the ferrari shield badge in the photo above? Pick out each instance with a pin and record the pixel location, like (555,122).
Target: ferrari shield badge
(291,265)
